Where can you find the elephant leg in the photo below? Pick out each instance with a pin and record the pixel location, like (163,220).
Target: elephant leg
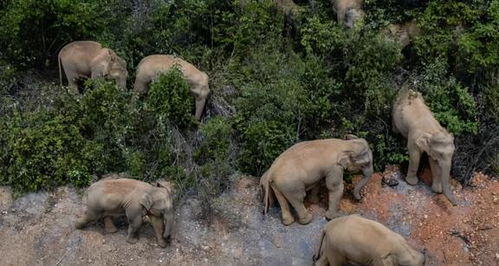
(88,217)
(134,223)
(158,226)
(287,217)
(296,199)
(336,259)
(414,157)
(334,183)
(109,225)
(72,82)
(314,194)
(436,186)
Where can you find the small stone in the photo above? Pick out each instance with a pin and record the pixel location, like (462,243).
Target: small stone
(497,256)
(426,216)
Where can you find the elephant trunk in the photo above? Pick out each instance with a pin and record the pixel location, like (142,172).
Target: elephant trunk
(367,172)
(122,83)
(445,172)
(200,103)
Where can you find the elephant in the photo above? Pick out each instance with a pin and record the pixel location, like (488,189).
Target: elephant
(151,66)
(414,120)
(357,240)
(403,33)
(304,165)
(348,11)
(88,59)
(110,197)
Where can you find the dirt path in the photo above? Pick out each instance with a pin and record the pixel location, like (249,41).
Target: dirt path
(38,229)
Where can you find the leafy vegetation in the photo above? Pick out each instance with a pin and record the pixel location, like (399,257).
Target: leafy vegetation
(293,78)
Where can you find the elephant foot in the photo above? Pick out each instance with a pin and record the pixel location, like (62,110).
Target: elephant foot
(109,226)
(132,240)
(288,219)
(162,242)
(437,188)
(80,224)
(334,214)
(307,219)
(111,229)
(412,180)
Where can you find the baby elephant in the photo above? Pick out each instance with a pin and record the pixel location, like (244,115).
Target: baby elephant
(135,199)
(356,240)
(303,166)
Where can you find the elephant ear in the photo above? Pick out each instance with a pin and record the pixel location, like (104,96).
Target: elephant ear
(423,142)
(146,201)
(345,159)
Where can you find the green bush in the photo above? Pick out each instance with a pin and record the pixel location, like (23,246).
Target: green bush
(170,97)
(47,150)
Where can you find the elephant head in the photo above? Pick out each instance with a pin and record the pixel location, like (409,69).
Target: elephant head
(117,70)
(358,157)
(404,255)
(440,147)
(158,202)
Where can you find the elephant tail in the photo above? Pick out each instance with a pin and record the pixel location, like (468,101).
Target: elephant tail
(59,63)
(268,193)
(319,252)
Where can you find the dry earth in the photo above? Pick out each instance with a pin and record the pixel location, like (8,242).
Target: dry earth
(38,229)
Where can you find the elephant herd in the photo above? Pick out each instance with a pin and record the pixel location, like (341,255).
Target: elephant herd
(307,165)
(302,168)
(88,59)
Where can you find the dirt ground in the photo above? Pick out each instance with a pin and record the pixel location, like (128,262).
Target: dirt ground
(38,228)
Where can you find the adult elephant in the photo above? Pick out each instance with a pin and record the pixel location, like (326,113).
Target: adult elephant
(88,59)
(414,120)
(305,164)
(136,199)
(360,241)
(151,66)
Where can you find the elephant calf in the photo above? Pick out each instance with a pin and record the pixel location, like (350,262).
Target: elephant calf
(357,240)
(304,165)
(151,66)
(88,59)
(414,120)
(122,196)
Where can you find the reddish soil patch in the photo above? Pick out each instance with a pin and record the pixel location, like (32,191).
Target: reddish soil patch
(467,234)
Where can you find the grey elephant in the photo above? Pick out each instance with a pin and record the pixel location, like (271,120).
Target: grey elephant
(88,59)
(403,33)
(357,240)
(349,12)
(414,120)
(301,167)
(151,66)
(137,200)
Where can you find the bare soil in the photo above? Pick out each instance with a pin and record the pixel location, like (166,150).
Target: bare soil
(38,228)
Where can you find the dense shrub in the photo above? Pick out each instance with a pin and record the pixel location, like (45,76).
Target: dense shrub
(290,78)
(169,96)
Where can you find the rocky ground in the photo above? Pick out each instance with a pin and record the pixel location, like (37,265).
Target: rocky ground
(38,229)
